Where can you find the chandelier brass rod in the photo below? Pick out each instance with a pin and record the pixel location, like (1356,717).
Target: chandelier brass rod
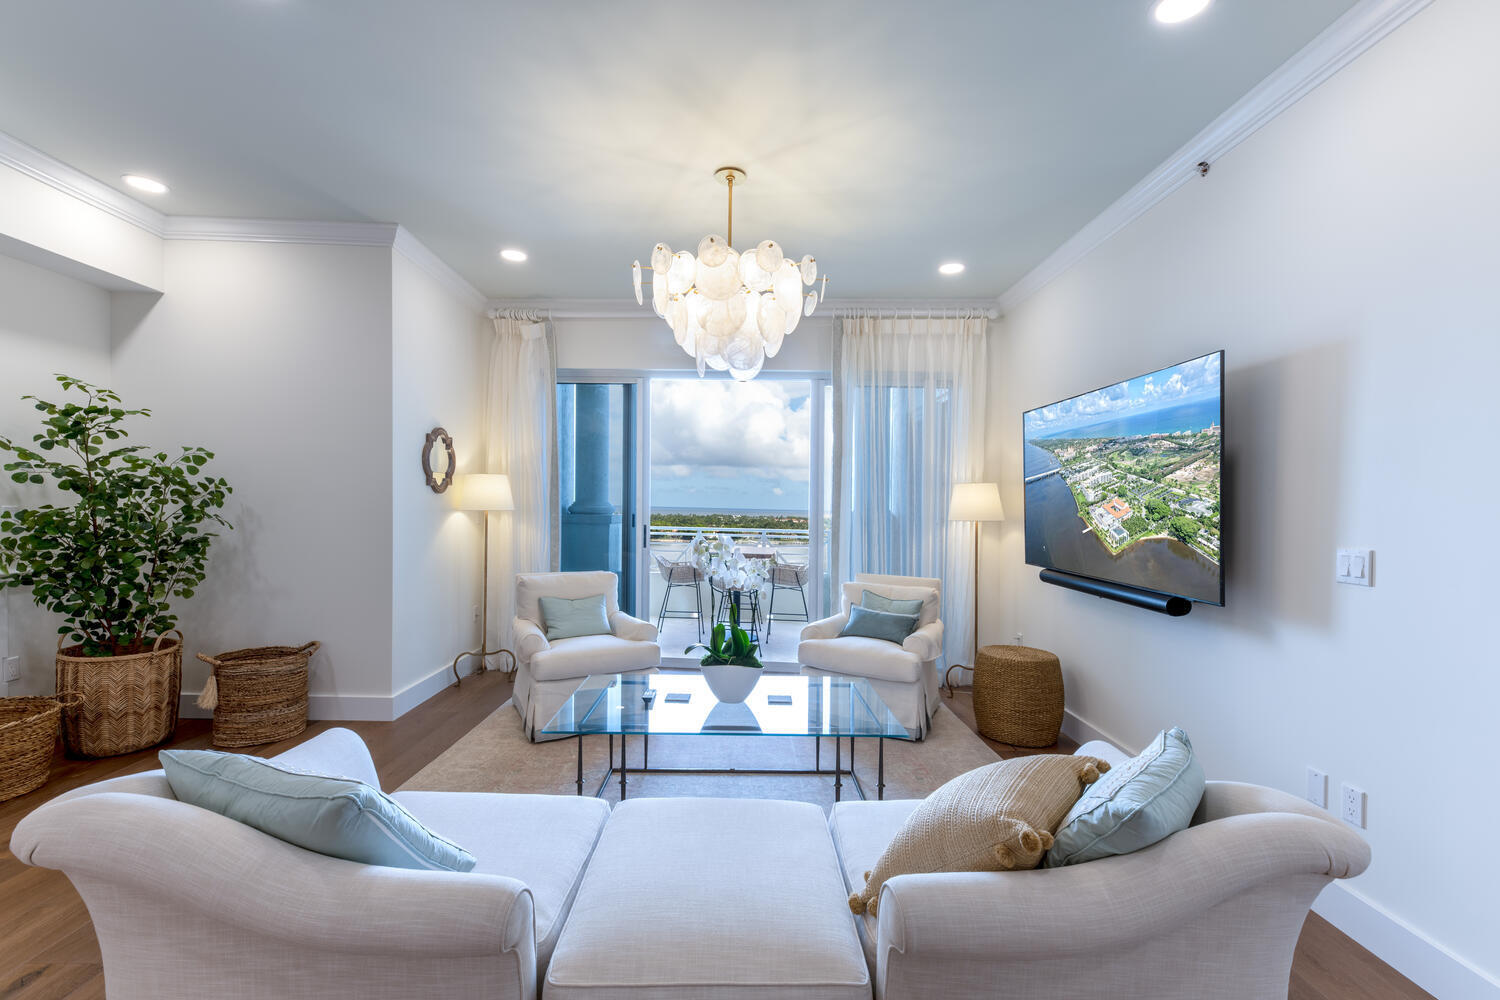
(730,237)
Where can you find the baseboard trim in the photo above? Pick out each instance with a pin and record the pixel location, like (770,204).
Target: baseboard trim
(352,707)
(1082,731)
(1391,939)
(1402,946)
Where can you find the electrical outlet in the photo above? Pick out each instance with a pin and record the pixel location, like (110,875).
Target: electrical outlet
(12,669)
(476,613)
(1018,640)
(1317,787)
(1353,805)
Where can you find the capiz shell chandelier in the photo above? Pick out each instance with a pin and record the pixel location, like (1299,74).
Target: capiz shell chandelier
(730,310)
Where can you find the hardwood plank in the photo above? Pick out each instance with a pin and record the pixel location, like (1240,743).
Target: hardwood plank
(48,950)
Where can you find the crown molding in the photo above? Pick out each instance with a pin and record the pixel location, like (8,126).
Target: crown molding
(627,308)
(1343,41)
(351,234)
(417,252)
(54,173)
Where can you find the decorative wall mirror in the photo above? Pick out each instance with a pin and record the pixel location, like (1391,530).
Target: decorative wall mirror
(437,459)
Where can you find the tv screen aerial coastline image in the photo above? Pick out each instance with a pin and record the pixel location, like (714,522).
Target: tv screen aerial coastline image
(1122,484)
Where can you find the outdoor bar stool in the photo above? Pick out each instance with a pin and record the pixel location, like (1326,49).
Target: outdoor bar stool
(680,574)
(787,576)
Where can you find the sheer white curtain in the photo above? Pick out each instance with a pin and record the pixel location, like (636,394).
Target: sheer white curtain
(520,441)
(909,413)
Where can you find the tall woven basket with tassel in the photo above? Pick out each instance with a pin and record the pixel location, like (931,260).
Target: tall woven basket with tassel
(126,703)
(257,695)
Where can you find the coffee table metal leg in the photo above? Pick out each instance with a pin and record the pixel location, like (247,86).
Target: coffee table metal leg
(646,751)
(580,763)
(623,743)
(838,768)
(880,779)
(817,753)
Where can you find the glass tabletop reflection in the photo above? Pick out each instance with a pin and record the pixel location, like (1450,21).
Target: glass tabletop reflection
(778,705)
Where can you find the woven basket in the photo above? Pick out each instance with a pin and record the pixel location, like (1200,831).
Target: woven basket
(1018,695)
(257,695)
(28,735)
(128,703)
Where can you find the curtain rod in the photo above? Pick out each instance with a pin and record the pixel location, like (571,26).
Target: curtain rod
(627,309)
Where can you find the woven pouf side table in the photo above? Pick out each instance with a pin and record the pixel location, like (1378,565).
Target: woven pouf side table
(1018,695)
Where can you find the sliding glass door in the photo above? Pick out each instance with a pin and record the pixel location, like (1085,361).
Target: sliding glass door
(648,461)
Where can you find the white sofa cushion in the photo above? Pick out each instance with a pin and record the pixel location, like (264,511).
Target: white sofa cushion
(530,587)
(898,588)
(544,841)
(593,654)
(717,898)
(861,831)
(861,657)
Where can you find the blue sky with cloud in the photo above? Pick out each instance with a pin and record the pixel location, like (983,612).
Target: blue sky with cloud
(1189,382)
(719,444)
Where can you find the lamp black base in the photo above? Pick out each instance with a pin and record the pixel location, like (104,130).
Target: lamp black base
(1148,599)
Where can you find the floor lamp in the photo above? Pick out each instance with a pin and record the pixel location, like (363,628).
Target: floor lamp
(973,502)
(484,493)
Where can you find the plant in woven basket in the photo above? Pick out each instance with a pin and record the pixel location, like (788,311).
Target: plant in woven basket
(135,536)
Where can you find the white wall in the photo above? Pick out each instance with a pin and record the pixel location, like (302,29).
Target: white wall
(49,324)
(438,356)
(278,358)
(646,344)
(1346,258)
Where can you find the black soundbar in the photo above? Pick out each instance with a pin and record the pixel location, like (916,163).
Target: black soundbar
(1148,599)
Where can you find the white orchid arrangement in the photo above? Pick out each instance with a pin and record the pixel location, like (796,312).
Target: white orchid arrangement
(719,559)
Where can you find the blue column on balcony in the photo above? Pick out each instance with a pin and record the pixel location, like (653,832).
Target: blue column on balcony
(591,524)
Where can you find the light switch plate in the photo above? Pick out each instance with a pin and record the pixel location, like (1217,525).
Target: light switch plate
(1355,567)
(1317,788)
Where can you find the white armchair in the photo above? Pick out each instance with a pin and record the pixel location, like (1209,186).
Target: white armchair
(1212,911)
(547,673)
(904,676)
(188,903)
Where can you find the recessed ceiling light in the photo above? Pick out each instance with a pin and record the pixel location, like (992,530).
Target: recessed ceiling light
(513,255)
(1176,11)
(952,267)
(150,185)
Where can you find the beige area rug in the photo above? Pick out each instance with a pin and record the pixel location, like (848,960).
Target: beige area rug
(495,756)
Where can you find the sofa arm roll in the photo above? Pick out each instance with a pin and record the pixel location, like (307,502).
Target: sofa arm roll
(825,628)
(629,627)
(926,642)
(529,639)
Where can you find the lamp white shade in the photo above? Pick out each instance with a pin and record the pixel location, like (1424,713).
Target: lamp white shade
(976,502)
(483,491)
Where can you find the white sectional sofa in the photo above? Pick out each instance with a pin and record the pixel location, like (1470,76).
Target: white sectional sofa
(1210,913)
(675,898)
(189,904)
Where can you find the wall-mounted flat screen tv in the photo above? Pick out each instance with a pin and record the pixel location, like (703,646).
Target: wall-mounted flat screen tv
(1123,483)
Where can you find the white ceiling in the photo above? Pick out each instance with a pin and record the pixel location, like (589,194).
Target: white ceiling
(883,137)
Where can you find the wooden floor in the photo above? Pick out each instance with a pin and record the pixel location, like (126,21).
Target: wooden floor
(47,945)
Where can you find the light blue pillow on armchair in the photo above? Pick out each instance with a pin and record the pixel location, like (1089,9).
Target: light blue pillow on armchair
(1146,799)
(339,817)
(879,602)
(569,618)
(879,625)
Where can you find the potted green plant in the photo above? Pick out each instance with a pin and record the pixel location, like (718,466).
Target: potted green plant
(730,665)
(132,540)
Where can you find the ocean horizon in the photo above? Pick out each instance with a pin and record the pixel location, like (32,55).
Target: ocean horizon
(1196,415)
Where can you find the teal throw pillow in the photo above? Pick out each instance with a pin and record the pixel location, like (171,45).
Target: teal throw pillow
(564,618)
(1146,799)
(339,817)
(879,625)
(876,602)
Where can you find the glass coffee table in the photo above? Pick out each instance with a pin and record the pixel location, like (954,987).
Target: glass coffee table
(779,705)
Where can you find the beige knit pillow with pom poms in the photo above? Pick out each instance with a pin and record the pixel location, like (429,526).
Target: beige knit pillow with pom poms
(995,818)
